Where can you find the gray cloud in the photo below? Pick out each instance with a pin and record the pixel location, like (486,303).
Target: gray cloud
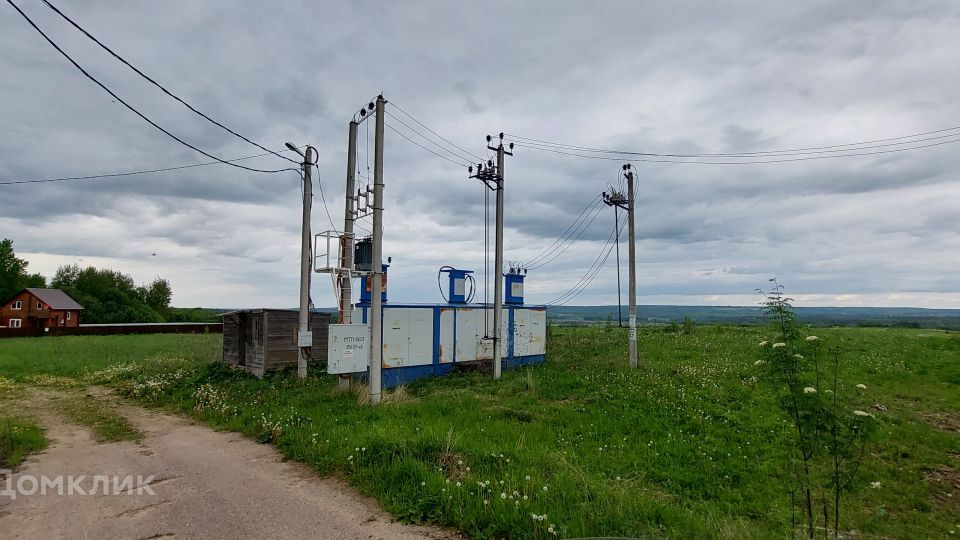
(678,78)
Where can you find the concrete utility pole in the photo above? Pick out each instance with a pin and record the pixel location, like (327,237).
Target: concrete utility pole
(498,262)
(616,199)
(633,269)
(304,336)
(376,278)
(346,245)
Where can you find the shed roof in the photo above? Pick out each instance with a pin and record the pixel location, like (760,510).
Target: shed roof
(55,298)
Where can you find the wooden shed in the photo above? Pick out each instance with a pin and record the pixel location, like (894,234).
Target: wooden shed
(265,340)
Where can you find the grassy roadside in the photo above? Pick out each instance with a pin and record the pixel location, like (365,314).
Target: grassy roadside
(19,436)
(98,415)
(687,446)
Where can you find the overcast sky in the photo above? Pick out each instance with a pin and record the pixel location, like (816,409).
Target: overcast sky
(667,77)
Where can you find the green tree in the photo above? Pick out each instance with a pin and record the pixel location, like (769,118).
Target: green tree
(13,272)
(109,296)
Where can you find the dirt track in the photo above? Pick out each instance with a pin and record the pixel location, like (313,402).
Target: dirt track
(207,484)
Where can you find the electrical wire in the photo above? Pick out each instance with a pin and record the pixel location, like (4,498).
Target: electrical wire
(590,274)
(468,164)
(158,85)
(127,105)
(442,148)
(573,239)
(540,255)
(467,152)
(795,151)
(753,162)
(131,173)
(322,198)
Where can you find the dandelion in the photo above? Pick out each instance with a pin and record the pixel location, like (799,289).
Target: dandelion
(423,483)
(778,345)
(460,463)
(503,495)
(545,488)
(809,390)
(350,458)
(527,478)
(486,502)
(875,485)
(862,413)
(812,338)
(458,484)
(861,386)
(468,469)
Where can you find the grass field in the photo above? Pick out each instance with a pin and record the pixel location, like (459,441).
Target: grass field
(688,446)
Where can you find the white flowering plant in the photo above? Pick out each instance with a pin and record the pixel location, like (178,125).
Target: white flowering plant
(830,433)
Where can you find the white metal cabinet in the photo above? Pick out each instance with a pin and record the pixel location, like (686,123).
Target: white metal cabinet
(447,343)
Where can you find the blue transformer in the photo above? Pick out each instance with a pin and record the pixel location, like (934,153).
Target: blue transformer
(365,291)
(457,285)
(513,289)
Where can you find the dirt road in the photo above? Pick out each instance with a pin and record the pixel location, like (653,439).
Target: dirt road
(207,485)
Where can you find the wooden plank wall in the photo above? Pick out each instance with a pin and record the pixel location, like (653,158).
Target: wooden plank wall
(280,340)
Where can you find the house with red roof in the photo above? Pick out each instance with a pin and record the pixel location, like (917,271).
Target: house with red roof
(40,308)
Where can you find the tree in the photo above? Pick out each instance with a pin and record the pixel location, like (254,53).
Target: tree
(109,296)
(13,272)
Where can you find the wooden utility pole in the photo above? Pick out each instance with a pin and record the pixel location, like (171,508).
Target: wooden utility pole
(347,243)
(304,336)
(376,277)
(633,269)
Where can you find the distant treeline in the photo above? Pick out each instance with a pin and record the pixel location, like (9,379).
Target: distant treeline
(947,319)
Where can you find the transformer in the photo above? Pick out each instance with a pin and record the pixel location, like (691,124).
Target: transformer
(513,288)
(457,285)
(366,290)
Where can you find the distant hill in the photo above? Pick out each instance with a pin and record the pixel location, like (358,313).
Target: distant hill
(818,316)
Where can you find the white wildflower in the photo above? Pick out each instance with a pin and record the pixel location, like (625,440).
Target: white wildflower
(759,362)
(812,338)
(875,485)
(764,343)
(862,413)
(809,390)
(861,386)
(778,345)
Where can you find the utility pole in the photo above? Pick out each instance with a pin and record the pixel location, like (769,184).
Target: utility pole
(617,200)
(493,179)
(633,268)
(304,336)
(498,261)
(376,278)
(346,244)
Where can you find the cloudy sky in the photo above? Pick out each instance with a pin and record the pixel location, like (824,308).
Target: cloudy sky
(669,77)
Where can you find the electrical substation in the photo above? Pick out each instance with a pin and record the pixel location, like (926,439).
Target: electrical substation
(391,344)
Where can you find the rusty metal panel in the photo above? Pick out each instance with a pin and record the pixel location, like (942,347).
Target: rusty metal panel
(447,344)
(396,337)
(466,343)
(420,337)
(538,332)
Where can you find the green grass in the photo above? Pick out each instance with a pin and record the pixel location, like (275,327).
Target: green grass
(18,437)
(688,446)
(98,415)
(72,356)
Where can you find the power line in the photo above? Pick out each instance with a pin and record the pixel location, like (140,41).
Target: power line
(598,210)
(425,148)
(158,85)
(130,173)
(796,151)
(752,162)
(127,105)
(322,198)
(429,140)
(591,272)
(571,229)
(467,152)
